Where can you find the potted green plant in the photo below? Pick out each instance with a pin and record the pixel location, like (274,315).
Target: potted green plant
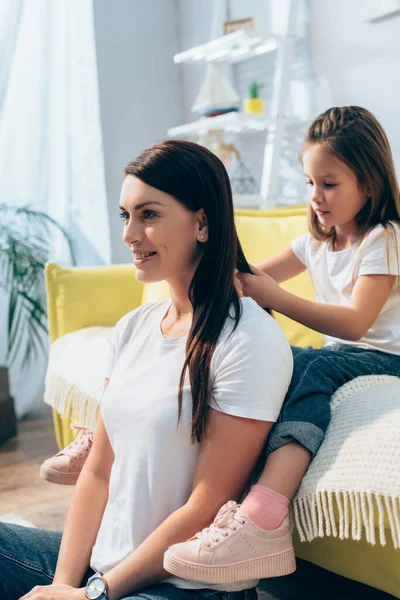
(26,238)
(254,104)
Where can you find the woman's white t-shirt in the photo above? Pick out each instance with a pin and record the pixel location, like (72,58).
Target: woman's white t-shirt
(334,274)
(155,461)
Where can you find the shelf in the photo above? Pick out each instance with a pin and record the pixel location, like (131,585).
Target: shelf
(232,48)
(234,121)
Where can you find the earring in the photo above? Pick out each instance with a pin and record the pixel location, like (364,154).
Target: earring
(202,237)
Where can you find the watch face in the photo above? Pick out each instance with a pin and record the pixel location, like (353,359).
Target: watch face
(95,588)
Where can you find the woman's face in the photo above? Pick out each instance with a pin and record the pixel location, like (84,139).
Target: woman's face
(165,237)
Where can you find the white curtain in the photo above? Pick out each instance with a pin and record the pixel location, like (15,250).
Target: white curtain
(51,152)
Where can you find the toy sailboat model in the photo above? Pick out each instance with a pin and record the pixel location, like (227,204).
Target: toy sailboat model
(216,94)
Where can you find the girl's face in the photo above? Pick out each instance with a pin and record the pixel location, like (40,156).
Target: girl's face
(334,193)
(162,234)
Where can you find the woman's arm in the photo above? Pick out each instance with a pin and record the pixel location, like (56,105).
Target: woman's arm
(351,323)
(227,457)
(86,511)
(282,266)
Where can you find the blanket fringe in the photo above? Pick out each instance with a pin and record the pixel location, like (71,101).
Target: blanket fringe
(70,402)
(329,513)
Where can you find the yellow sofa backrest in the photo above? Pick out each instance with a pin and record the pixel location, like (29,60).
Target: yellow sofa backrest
(263,234)
(79,297)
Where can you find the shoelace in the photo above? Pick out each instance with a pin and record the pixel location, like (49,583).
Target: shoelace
(226,519)
(82,441)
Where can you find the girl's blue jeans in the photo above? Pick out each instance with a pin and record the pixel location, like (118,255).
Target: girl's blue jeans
(28,557)
(317,374)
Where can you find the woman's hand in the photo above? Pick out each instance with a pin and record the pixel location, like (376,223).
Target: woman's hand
(259,286)
(55,591)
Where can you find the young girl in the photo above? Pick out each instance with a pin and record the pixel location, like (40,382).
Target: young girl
(352,255)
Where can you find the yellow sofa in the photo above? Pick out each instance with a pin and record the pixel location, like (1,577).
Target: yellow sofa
(99,296)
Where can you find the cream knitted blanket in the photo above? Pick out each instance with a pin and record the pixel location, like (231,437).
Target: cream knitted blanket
(353,484)
(75,373)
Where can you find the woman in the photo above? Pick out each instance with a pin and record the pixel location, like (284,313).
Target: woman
(193,388)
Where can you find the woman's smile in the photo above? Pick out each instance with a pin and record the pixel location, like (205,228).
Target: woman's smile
(141,257)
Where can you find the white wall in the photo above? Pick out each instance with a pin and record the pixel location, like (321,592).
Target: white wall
(138,85)
(357,62)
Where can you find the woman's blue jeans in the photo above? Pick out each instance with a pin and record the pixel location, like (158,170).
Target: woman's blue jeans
(28,557)
(317,374)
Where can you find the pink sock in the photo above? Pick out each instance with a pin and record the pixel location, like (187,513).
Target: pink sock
(265,507)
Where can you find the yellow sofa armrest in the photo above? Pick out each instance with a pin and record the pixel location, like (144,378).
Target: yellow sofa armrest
(80,297)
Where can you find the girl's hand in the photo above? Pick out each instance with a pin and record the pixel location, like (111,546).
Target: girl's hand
(259,286)
(55,591)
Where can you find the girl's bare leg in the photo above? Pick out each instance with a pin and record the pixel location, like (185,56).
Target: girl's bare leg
(285,468)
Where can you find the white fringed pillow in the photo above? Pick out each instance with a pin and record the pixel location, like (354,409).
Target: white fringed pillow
(75,373)
(353,484)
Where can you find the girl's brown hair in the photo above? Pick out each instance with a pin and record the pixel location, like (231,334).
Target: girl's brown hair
(198,179)
(355,136)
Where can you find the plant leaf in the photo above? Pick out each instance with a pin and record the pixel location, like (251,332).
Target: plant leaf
(25,245)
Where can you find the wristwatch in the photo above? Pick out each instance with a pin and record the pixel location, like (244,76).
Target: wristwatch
(96,587)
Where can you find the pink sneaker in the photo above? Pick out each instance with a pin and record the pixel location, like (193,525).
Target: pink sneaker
(233,549)
(65,466)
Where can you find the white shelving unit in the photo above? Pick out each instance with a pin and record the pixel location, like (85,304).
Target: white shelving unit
(234,121)
(231,49)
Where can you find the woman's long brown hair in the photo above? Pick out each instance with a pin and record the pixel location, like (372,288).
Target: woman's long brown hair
(198,179)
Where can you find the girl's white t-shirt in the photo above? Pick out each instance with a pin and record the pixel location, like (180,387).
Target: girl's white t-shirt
(334,275)
(155,460)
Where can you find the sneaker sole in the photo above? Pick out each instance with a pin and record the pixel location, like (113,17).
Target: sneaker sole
(56,477)
(265,567)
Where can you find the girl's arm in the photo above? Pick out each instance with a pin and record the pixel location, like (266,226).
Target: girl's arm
(282,266)
(351,323)
(86,511)
(227,456)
